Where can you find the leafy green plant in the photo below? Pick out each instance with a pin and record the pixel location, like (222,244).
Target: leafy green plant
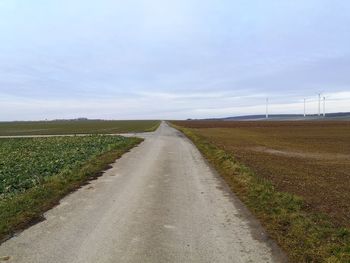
(36,173)
(27,162)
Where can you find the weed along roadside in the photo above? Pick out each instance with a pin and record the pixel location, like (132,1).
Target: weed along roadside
(46,169)
(306,236)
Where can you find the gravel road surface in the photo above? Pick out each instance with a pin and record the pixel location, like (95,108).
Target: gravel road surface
(161,202)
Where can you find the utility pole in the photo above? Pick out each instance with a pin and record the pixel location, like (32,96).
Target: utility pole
(319,104)
(304,107)
(324,106)
(267,108)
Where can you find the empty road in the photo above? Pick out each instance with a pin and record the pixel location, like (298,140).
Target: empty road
(160,202)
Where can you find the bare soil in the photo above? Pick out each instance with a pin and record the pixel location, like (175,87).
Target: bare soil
(310,159)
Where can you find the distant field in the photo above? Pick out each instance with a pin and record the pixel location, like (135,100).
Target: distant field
(75,127)
(295,176)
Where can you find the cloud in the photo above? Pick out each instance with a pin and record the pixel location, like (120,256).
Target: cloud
(161,59)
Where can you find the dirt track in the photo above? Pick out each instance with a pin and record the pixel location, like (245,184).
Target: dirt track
(160,202)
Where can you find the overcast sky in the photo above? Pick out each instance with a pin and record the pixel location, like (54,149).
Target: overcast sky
(159,59)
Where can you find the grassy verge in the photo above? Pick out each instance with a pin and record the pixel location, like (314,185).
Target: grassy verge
(304,235)
(28,207)
(154,128)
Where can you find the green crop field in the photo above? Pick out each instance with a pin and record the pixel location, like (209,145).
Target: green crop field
(36,172)
(26,162)
(75,127)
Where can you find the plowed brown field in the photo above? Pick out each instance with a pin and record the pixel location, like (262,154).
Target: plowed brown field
(309,159)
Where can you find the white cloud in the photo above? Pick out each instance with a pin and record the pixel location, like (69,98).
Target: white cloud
(171,59)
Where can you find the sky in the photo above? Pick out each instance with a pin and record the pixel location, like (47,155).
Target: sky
(162,59)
